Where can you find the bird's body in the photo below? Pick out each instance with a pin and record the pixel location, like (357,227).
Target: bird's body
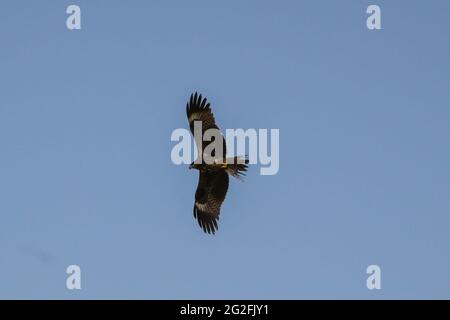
(213,175)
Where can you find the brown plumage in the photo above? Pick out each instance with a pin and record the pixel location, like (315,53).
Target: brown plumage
(213,178)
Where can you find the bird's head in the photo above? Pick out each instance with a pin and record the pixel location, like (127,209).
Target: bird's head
(197,166)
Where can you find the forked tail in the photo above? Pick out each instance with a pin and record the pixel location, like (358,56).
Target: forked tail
(237,166)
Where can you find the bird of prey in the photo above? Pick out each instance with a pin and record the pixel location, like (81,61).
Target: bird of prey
(213,174)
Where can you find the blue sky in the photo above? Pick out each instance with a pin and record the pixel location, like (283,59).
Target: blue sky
(85,170)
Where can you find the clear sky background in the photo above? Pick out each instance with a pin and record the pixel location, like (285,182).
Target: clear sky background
(86,176)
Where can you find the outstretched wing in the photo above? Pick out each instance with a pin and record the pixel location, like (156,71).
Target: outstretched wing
(199,109)
(209,196)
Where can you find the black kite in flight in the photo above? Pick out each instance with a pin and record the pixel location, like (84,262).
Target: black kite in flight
(213,179)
